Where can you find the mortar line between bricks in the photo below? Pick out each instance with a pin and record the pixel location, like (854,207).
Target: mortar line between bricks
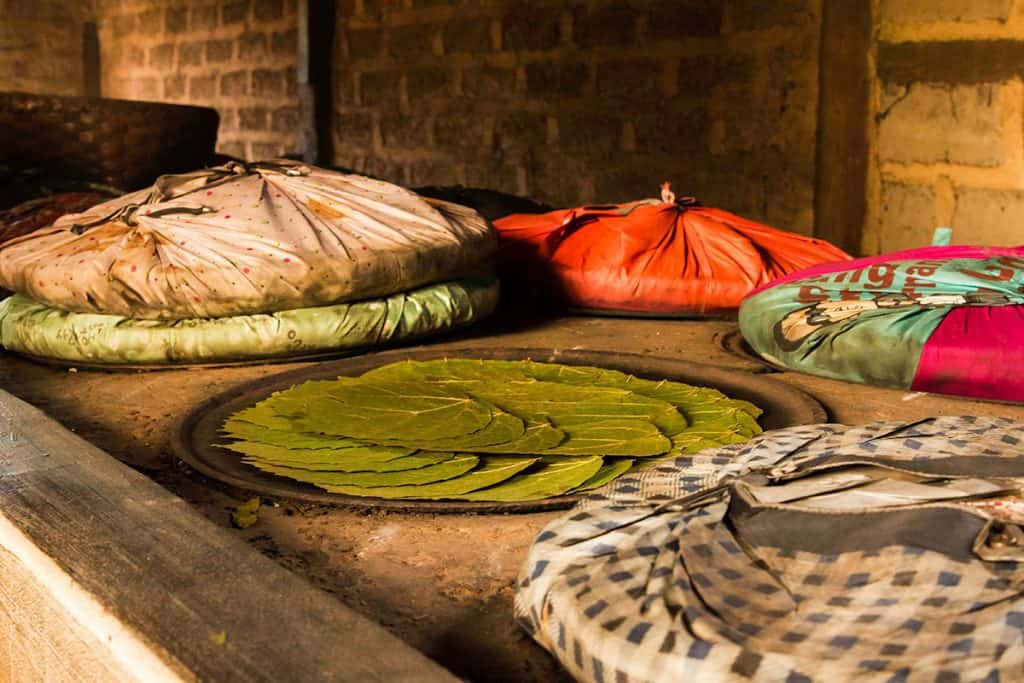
(1002,177)
(949,30)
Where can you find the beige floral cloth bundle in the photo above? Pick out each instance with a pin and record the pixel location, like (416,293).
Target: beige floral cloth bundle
(244,262)
(243,239)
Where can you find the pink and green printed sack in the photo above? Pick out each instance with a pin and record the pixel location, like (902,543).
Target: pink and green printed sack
(947,320)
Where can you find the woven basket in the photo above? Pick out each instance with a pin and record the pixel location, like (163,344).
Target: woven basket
(117,142)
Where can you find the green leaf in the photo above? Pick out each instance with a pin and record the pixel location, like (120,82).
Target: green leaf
(539,437)
(246,514)
(358,459)
(554,477)
(294,405)
(718,413)
(492,471)
(496,438)
(613,468)
(379,435)
(502,429)
(289,438)
(677,393)
(579,411)
(715,419)
(669,422)
(694,443)
(453,466)
(692,401)
(262,414)
(635,438)
(468,375)
(381,411)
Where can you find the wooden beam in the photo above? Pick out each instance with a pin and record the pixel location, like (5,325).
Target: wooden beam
(955,61)
(90,60)
(315,60)
(166,594)
(306,133)
(322,22)
(840,197)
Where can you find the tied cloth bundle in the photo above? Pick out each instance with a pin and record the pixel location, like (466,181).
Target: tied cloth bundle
(665,257)
(243,239)
(890,552)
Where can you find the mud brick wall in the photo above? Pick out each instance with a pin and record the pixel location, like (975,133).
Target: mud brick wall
(237,56)
(588,100)
(41,46)
(949,128)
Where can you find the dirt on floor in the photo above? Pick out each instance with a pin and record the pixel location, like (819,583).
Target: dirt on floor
(444,583)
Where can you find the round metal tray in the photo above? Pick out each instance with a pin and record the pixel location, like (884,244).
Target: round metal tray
(734,343)
(195,437)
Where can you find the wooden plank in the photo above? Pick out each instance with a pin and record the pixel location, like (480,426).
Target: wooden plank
(168,593)
(39,639)
(840,197)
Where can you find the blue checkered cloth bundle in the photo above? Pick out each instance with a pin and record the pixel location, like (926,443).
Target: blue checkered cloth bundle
(888,552)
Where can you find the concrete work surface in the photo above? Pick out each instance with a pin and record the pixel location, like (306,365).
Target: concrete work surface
(443,583)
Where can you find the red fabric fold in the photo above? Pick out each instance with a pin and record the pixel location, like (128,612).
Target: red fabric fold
(653,257)
(975,351)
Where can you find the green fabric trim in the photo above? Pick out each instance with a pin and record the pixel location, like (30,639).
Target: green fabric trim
(39,330)
(877,347)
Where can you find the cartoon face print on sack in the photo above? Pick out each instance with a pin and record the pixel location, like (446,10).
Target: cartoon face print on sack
(791,332)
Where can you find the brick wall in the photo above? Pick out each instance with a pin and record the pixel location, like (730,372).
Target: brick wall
(576,101)
(949,126)
(41,46)
(568,101)
(237,56)
(586,100)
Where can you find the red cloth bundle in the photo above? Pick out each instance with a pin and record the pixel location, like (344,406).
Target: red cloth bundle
(672,258)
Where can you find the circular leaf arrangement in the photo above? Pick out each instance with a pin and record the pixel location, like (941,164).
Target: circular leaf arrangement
(480,430)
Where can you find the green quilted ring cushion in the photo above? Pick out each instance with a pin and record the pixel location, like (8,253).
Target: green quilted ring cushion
(35,329)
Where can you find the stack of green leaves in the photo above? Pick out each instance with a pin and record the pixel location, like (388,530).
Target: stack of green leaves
(480,430)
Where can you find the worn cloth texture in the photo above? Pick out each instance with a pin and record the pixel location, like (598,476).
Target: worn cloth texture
(889,552)
(243,239)
(940,319)
(38,330)
(652,257)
